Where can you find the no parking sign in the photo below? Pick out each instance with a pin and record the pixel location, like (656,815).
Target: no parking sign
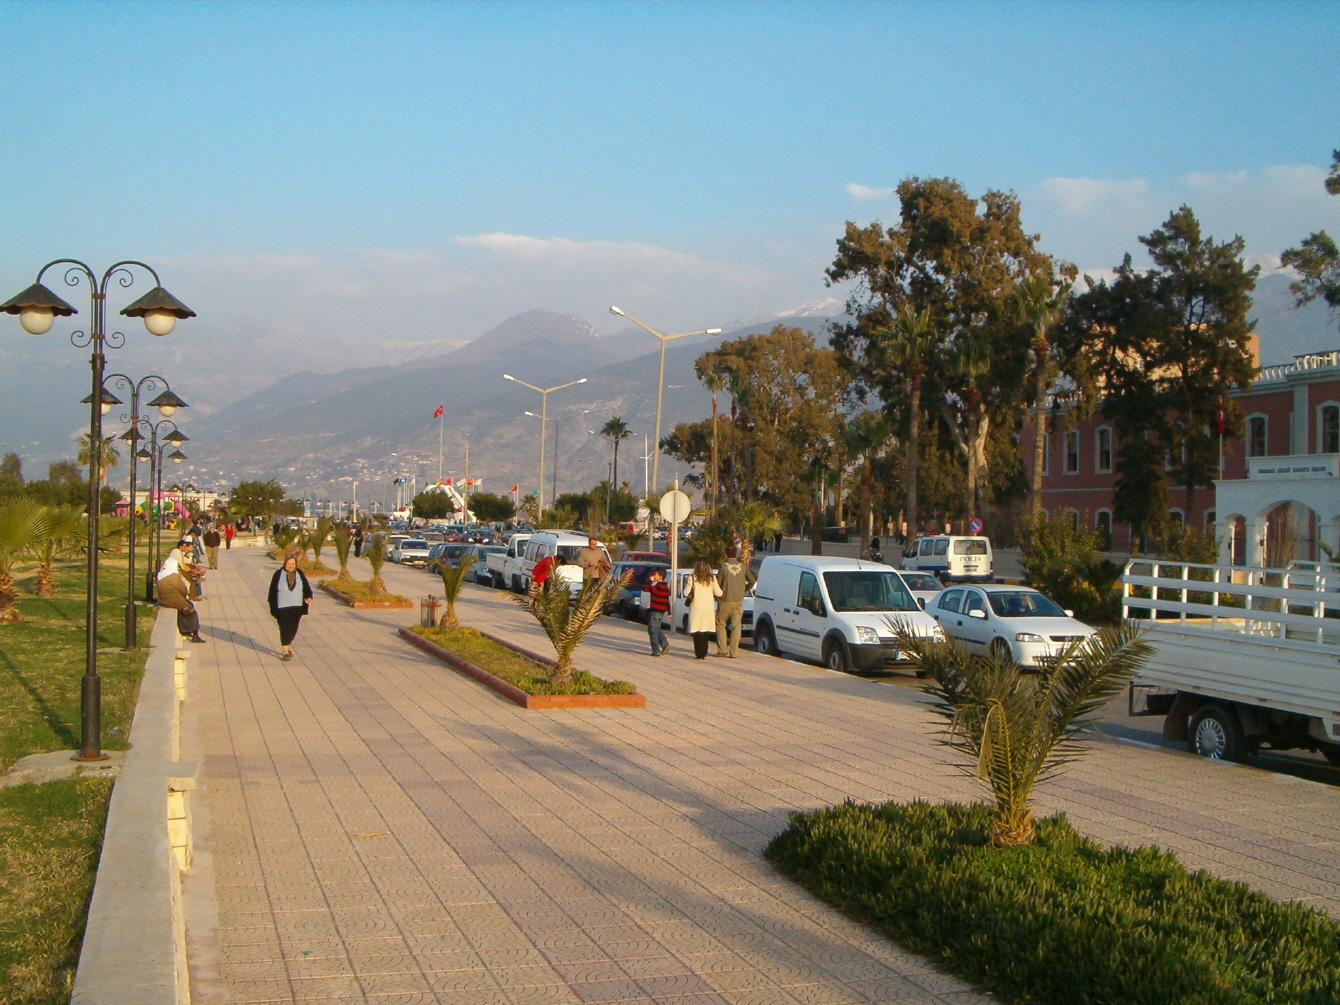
(975,525)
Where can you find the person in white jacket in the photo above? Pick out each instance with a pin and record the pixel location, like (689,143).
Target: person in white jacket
(701,596)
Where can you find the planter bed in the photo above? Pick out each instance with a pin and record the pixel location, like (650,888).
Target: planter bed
(1063,921)
(518,674)
(354,594)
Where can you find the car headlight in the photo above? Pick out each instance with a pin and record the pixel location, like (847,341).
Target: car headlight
(867,636)
(1028,637)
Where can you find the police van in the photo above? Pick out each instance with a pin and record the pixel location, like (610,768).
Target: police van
(952,559)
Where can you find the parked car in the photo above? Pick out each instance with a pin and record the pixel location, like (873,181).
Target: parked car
(447,553)
(629,604)
(410,551)
(505,567)
(923,585)
(659,557)
(678,615)
(479,562)
(952,559)
(556,542)
(1015,621)
(838,611)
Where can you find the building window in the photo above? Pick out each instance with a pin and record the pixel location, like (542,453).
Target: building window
(1176,518)
(1073,516)
(1211,518)
(1103,524)
(1328,429)
(1256,436)
(1102,450)
(1072,452)
(1046,453)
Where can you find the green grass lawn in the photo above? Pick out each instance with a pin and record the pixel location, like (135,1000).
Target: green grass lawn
(50,834)
(1063,921)
(515,669)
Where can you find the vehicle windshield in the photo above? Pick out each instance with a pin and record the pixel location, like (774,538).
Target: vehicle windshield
(920,581)
(1023,604)
(868,591)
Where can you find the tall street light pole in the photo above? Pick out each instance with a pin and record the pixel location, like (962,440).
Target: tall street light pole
(167,404)
(557,422)
(660,383)
(37,308)
(154,455)
(544,415)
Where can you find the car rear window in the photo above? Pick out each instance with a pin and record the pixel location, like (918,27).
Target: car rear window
(969,547)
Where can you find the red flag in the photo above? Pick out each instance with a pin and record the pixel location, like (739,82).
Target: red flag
(437,412)
(448,481)
(1223,420)
(515,488)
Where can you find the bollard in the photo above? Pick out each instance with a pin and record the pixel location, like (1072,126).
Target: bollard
(428,611)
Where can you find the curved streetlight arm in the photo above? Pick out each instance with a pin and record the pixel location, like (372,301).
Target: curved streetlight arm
(660,335)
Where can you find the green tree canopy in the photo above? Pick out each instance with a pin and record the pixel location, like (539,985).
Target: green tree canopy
(489,507)
(434,506)
(1317,260)
(256,498)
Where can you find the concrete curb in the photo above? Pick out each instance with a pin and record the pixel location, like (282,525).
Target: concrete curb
(134,950)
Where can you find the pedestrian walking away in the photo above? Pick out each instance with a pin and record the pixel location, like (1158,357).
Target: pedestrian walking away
(658,603)
(228,531)
(701,596)
(594,563)
(358,543)
(174,590)
(290,598)
(212,541)
(734,582)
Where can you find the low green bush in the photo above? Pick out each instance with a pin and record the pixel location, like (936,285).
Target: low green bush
(1063,921)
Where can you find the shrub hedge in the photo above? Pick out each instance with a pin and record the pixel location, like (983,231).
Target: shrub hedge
(1062,921)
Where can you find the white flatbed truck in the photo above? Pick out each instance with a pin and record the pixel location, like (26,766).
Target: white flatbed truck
(1242,657)
(505,566)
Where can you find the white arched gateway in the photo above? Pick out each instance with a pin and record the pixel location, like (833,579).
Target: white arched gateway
(1308,482)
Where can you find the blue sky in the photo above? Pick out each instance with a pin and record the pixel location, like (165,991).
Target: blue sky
(294,166)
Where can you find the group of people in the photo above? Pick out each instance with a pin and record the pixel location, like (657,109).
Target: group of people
(715,603)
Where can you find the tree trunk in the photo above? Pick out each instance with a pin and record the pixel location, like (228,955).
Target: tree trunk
(614,474)
(45,586)
(816,522)
(842,478)
(1039,428)
(715,468)
(9,596)
(865,507)
(914,409)
(1190,476)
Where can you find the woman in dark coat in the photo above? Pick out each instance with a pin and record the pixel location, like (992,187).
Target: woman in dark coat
(290,598)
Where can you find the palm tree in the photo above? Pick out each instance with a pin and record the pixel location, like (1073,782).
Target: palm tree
(566,622)
(971,359)
(316,540)
(344,541)
(1040,307)
(108,455)
(865,437)
(1016,729)
(715,383)
(61,526)
(453,580)
(20,523)
(375,553)
(911,344)
(615,430)
(756,521)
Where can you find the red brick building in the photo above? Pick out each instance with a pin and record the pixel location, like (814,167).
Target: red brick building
(1291,411)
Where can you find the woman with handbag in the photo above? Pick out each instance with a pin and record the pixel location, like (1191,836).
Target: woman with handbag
(701,597)
(290,598)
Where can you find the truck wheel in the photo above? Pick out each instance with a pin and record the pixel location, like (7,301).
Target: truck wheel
(765,641)
(516,585)
(1215,734)
(835,657)
(1332,754)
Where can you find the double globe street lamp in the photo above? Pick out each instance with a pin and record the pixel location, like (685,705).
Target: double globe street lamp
(153,453)
(37,308)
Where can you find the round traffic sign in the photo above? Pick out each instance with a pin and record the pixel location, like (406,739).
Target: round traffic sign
(675,506)
(975,525)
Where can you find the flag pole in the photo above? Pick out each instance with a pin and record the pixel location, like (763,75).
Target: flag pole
(441,419)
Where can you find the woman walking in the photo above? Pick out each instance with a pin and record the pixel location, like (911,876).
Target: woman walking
(701,597)
(290,595)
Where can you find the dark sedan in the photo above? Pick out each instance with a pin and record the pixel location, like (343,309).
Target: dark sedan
(628,604)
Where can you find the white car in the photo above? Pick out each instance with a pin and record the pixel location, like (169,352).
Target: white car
(679,616)
(411,551)
(841,612)
(1010,620)
(923,585)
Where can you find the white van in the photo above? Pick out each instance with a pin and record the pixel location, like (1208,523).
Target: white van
(834,610)
(952,559)
(556,542)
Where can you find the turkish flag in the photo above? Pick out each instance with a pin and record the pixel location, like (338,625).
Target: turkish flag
(437,412)
(448,481)
(515,488)
(1223,420)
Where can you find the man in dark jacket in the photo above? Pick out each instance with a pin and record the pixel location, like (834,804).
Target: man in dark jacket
(734,580)
(212,541)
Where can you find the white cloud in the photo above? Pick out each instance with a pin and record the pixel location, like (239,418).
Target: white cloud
(1091,196)
(865,192)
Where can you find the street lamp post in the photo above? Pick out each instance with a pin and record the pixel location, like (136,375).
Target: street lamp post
(154,455)
(167,404)
(544,414)
(37,308)
(557,422)
(660,382)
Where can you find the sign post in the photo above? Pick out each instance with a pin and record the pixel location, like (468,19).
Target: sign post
(675,508)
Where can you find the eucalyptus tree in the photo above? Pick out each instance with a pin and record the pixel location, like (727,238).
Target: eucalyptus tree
(715,384)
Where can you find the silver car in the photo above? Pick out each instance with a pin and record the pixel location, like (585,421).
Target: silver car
(1008,620)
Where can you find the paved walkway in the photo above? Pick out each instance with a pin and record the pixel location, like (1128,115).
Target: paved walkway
(378,827)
